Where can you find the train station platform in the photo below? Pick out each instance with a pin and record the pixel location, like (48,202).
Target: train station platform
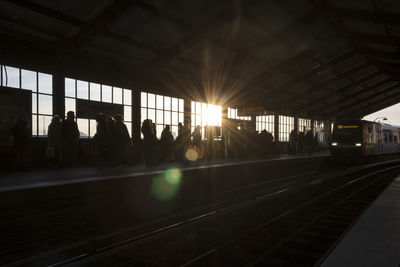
(374,240)
(38,178)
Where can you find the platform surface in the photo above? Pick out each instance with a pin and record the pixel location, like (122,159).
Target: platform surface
(53,177)
(374,240)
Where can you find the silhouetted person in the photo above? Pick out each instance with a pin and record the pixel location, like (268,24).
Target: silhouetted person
(22,138)
(122,140)
(149,141)
(180,128)
(293,142)
(309,143)
(54,140)
(70,135)
(270,143)
(102,140)
(197,137)
(166,142)
(300,145)
(181,142)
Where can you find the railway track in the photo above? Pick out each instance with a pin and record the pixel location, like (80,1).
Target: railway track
(265,223)
(295,222)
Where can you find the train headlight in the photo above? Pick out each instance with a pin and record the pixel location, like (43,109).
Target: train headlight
(334,143)
(358,144)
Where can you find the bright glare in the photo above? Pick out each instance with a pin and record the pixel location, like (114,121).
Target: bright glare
(212,115)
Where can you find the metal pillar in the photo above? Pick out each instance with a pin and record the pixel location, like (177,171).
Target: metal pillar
(59,95)
(136,117)
(276,127)
(187,109)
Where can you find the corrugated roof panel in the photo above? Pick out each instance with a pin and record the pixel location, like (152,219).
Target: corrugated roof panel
(356,4)
(364,72)
(349,63)
(376,80)
(364,27)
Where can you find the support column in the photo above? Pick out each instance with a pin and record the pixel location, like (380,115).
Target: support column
(296,124)
(312,126)
(276,127)
(59,95)
(136,116)
(187,109)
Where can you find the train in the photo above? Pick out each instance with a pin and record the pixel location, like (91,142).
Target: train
(362,138)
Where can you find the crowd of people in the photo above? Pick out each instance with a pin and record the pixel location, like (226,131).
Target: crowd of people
(115,149)
(302,143)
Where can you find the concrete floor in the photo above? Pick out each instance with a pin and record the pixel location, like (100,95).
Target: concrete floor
(375,239)
(51,177)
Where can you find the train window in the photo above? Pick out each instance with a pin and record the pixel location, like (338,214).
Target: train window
(385,137)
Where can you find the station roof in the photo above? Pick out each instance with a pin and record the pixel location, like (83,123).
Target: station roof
(335,58)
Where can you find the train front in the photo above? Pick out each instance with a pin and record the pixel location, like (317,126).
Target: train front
(347,139)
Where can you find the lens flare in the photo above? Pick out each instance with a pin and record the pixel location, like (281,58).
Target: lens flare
(165,186)
(192,154)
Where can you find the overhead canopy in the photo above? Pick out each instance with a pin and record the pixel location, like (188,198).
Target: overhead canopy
(332,58)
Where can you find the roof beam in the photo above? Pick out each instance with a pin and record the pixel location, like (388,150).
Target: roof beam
(370,107)
(35,7)
(336,105)
(360,14)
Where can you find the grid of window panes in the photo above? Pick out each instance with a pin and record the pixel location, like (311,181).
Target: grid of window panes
(304,125)
(265,122)
(162,110)
(204,114)
(41,85)
(232,114)
(286,125)
(77,89)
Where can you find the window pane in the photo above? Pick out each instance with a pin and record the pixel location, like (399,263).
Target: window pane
(160,102)
(159,129)
(106,93)
(143,99)
(10,76)
(28,80)
(151,114)
(143,114)
(82,89)
(44,122)
(181,117)
(193,107)
(69,87)
(83,126)
(117,95)
(167,117)
(181,106)
(93,127)
(159,118)
(69,105)
(174,130)
(127,97)
(45,104)
(198,108)
(167,103)
(127,113)
(129,126)
(174,118)
(174,104)
(34,124)
(95,91)
(151,100)
(34,103)
(45,83)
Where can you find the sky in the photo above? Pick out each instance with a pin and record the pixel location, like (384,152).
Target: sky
(392,113)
